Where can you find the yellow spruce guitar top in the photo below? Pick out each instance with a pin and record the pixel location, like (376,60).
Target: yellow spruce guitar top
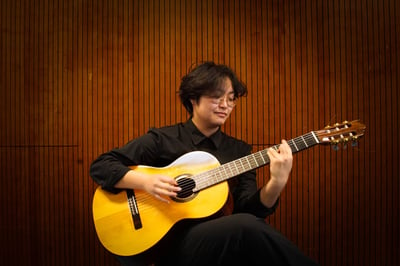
(133,221)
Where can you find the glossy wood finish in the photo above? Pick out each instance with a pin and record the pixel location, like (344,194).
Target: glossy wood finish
(81,77)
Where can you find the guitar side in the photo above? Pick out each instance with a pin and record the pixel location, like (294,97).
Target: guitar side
(113,217)
(112,214)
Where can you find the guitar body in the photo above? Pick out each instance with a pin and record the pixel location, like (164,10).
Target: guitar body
(131,222)
(113,216)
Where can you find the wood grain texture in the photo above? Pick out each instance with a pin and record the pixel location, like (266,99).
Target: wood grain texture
(81,77)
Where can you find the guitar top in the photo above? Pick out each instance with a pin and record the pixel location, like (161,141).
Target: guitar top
(132,221)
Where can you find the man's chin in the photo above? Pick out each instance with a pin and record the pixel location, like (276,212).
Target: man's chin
(219,122)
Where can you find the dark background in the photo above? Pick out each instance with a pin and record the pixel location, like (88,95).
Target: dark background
(78,78)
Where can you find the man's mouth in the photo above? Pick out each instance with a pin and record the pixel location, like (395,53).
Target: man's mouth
(221,114)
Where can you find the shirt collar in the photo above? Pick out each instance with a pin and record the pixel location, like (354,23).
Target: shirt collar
(198,137)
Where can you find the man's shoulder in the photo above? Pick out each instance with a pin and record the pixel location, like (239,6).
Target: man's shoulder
(169,130)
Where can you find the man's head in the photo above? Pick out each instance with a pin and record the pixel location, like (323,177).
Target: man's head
(207,79)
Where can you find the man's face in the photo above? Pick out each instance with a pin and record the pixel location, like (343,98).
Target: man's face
(212,111)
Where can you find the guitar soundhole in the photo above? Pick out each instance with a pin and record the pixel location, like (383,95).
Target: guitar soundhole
(187,184)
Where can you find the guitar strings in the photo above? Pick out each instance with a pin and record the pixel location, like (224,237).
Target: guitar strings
(296,144)
(241,165)
(203,179)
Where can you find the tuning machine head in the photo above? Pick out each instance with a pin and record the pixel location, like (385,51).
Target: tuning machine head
(335,147)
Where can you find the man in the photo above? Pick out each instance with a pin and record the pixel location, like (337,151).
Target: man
(209,93)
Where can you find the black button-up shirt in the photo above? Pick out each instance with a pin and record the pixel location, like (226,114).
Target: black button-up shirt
(161,146)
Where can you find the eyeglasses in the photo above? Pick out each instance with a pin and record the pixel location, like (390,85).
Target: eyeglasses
(230,100)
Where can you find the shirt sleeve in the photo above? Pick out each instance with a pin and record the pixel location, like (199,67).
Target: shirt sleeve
(111,166)
(246,195)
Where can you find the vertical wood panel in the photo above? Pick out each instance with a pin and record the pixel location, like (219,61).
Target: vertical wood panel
(81,77)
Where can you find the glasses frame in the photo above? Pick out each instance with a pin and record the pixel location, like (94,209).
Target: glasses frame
(230,101)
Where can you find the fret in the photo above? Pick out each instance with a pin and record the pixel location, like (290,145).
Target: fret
(262,158)
(228,170)
(245,162)
(217,175)
(224,167)
(304,141)
(252,160)
(242,166)
(265,156)
(210,180)
(237,170)
(315,137)
(258,157)
(311,140)
(230,167)
(294,144)
(255,161)
(300,143)
(249,162)
(205,181)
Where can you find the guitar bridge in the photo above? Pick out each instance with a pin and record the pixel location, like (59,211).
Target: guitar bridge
(137,222)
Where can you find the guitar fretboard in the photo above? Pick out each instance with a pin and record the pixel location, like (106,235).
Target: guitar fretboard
(249,162)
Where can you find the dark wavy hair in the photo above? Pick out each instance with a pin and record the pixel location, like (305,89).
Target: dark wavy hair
(206,79)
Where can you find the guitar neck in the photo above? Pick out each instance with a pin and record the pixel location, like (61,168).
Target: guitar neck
(249,162)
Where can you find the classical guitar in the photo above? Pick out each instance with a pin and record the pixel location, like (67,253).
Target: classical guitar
(132,221)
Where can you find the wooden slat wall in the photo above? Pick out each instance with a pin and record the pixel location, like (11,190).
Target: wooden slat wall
(81,77)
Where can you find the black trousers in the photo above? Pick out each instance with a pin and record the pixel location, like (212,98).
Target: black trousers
(238,239)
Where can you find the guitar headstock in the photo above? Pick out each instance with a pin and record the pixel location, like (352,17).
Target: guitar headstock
(341,133)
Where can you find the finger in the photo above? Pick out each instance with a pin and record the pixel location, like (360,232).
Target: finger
(168,192)
(169,187)
(168,180)
(175,188)
(272,152)
(161,198)
(285,148)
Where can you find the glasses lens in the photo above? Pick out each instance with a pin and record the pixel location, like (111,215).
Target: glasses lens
(230,101)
